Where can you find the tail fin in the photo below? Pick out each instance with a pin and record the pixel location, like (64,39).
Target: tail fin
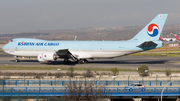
(75,38)
(160,38)
(152,31)
(176,37)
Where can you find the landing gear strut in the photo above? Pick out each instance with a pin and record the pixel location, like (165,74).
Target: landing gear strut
(66,61)
(81,61)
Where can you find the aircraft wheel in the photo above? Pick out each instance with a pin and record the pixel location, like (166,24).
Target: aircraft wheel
(85,61)
(66,61)
(81,61)
(17,60)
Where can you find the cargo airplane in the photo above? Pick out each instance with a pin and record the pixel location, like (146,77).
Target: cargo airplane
(80,51)
(167,39)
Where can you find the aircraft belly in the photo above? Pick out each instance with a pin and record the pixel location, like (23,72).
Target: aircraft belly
(80,54)
(27,53)
(109,54)
(24,53)
(100,54)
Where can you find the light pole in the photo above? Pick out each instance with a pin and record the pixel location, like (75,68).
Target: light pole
(156,77)
(57,75)
(146,71)
(114,77)
(99,80)
(128,80)
(163,90)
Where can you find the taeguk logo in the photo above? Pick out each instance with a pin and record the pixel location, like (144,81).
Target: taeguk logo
(153,30)
(22,43)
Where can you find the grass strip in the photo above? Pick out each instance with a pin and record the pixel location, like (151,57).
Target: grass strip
(67,68)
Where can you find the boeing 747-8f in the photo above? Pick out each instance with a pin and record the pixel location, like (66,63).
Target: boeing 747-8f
(80,51)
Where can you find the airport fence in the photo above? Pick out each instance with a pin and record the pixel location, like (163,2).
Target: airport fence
(29,98)
(98,82)
(55,93)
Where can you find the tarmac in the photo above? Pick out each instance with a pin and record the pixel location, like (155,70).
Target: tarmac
(125,62)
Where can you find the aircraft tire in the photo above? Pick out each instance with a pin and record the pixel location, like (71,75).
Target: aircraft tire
(67,62)
(85,61)
(80,61)
(17,60)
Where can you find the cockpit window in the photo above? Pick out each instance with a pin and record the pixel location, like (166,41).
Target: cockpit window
(11,40)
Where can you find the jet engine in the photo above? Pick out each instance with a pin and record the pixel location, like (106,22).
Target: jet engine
(47,56)
(39,57)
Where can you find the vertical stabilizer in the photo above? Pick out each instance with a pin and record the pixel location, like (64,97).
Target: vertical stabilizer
(176,37)
(152,30)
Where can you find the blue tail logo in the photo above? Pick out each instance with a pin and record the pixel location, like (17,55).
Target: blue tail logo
(153,30)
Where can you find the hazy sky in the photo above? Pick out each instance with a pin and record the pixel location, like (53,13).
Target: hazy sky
(35,15)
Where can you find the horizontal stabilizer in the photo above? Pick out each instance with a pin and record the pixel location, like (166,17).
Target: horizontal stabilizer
(147,44)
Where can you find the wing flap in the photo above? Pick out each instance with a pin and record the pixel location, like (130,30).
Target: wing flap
(62,52)
(73,54)
(80,54)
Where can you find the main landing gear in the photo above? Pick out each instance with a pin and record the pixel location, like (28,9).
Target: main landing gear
(81,61)
(66,61)
(16,59)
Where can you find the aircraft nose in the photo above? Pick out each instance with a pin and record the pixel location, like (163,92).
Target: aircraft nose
(4,47)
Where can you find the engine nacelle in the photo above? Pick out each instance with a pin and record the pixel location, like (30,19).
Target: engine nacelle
(39,57)
(49,56)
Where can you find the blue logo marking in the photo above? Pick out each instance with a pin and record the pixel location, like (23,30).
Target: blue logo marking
(153,30)
(38,44)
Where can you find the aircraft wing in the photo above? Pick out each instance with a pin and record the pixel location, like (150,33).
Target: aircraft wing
(80,54)
(63,53)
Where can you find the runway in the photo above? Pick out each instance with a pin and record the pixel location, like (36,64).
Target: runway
(129,62)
